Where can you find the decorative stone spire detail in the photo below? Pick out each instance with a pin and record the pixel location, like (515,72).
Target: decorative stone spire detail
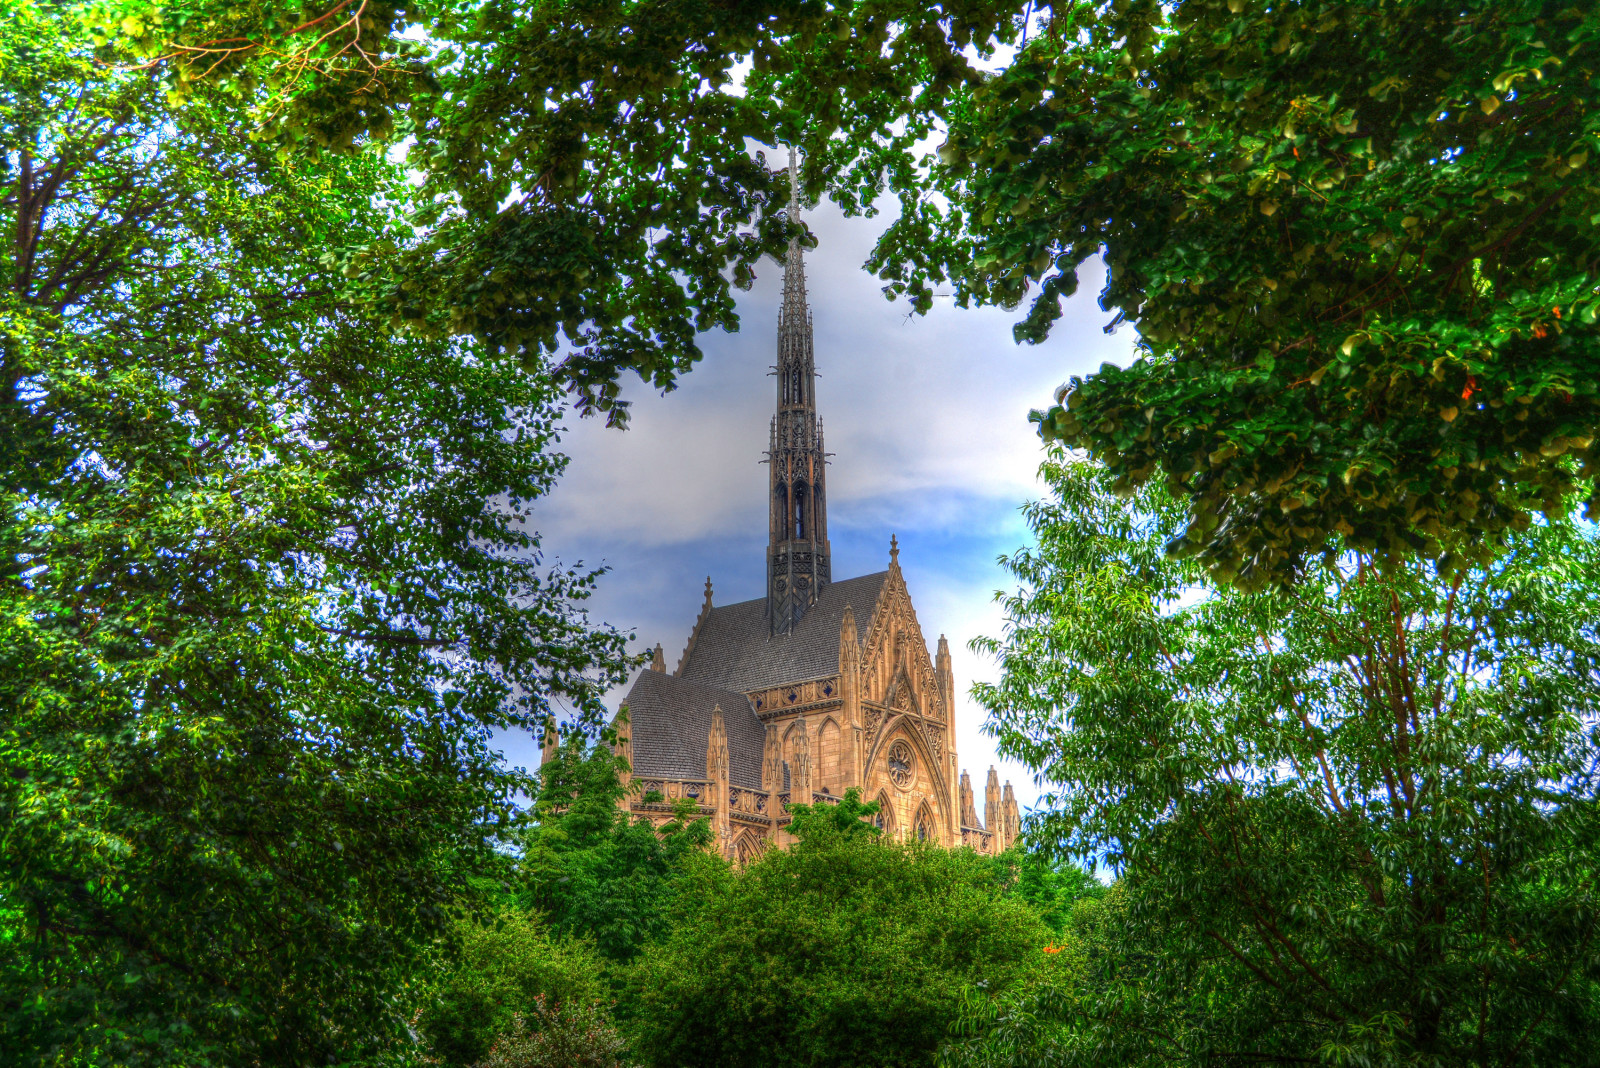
(800,770)
(969,808)
(945,676)
(658,662)
(798,556)
(717,747)
(772,761)
(1011,823)
(717,793)
(992,816)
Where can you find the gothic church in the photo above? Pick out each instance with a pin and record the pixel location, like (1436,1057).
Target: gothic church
(814,688)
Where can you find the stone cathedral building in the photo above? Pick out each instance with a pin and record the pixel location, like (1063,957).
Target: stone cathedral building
(815,687)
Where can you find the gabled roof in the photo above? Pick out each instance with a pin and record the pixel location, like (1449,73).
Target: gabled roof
(734,650)
(669,720)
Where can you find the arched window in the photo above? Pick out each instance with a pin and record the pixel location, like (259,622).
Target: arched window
(924,831)
(780,495)
(746,849)
(799,511)
(794,385)
(830,756)
(883,819)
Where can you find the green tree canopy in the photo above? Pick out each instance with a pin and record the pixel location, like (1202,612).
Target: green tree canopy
(848,816)
(505,965)
(1357,240)
(593,870)
(844,950)
(1355,236)
(266,585)
(1356,821)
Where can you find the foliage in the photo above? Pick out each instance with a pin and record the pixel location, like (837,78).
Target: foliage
(266,586)
(1037,1022)
(850,816)
(593,871)
(505,967)
(1356,819)
(844,950)
(569,1035)
(1051,887)
(1357,239)
(586,187)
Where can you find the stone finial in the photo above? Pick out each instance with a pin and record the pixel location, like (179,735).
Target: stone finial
(849,643)
(658,662)
(894,551)
(1008,809)
(969,808)
(800,771)
(944,674)
(772,761)
(717,747)
(708,592)
(993,816)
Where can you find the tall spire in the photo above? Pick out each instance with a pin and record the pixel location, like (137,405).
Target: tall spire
(797,547)
(793,309)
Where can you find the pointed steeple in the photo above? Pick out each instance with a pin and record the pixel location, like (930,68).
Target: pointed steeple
(798,557)
(658,662)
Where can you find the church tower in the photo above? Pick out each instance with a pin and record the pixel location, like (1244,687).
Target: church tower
(797,545)
(812,688)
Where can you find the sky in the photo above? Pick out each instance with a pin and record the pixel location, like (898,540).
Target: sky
(926,417)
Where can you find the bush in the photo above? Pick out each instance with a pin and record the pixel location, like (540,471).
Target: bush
(569,1035)
(506,967)
(845,950)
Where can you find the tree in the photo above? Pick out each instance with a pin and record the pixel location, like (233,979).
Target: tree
(1355,820)
(848,816)
(265,585)
(1354,236)
(1356,241)
(587,195)
(844,950)
(1052,887)
(506,966)
(590,868)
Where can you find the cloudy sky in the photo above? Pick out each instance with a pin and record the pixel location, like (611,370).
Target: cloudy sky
(927,420)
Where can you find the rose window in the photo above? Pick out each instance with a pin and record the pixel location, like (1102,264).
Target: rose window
(900,764)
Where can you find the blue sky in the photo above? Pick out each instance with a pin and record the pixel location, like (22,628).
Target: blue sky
(926,416)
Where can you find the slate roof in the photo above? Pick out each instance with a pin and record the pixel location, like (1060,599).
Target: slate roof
(669,719)
(734,651)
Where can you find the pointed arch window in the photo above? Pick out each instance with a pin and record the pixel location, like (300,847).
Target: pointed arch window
(924,827)
(883,819)
(800,511)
